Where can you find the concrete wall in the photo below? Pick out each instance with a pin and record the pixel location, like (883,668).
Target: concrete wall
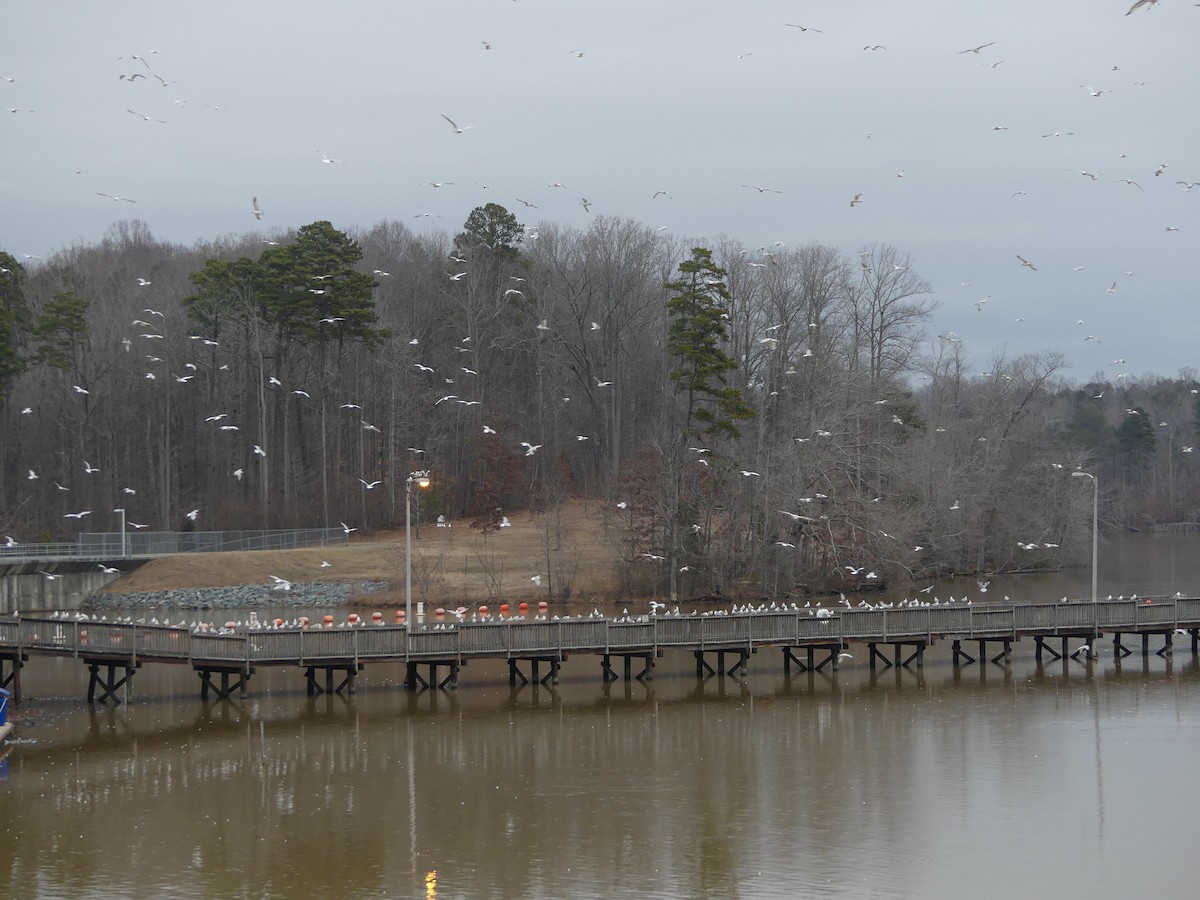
(24,588)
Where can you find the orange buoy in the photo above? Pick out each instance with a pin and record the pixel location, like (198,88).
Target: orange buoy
(483,610)
(523,606)
(543,605)
(352,618)
(399,615)
(304,621)
(440,613)
(328,621)
(504,609)
(278,623)
(377,618)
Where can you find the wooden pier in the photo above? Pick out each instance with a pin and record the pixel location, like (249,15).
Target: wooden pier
(331,658)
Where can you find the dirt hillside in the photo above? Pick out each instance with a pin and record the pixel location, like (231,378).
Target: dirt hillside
(454,564)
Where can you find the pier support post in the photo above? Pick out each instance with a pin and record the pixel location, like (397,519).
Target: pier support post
(918,654)
(226,689)
(515,673)
(108,685)
(1088,650)
(875,656)
(790,658)
(961,654)
(551,677)
(646,674)
(12,681)
(743,656)
(346,684)
(830,660)
(1004,657)
(705,670)
(1042,646)
(1168,647)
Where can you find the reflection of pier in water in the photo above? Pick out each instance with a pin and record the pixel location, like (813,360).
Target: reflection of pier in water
(721,644)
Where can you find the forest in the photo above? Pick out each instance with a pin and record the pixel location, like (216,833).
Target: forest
(755,421)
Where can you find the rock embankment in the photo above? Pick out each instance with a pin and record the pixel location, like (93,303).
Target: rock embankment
(247,596)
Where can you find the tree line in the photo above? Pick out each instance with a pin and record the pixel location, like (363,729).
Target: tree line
(750,420)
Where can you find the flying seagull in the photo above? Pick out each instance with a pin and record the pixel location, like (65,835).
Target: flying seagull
(146,118)
(455,126)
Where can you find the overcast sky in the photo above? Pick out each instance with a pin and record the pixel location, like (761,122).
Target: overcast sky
(620,99)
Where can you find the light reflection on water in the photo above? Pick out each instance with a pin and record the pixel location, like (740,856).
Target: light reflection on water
(985,780)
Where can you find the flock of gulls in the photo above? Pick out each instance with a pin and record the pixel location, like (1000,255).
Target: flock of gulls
(140,74)
(484,614)
(448,619)
(153,326)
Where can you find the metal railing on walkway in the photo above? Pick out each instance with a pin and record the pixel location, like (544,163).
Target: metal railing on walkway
(646,635)
(104,546)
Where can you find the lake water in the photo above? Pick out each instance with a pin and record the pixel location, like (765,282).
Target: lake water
(985,781)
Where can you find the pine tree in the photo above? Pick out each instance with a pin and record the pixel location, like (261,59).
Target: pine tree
(712,406)
(14,320)
(698,328)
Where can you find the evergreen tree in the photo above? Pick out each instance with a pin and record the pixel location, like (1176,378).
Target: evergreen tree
(698,310)
(490,227)
(1135,435)
(698,328)
(60,330)
(14,320)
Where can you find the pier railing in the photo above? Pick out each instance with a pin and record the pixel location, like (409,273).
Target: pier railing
(556,638)
(108,545)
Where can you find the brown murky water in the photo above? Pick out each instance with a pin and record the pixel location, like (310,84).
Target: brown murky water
(986,781)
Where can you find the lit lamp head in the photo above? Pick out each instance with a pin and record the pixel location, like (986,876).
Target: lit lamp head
(420,479)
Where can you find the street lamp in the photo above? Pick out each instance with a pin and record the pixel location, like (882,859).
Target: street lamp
(421,480)
(122,512)
(1095,513)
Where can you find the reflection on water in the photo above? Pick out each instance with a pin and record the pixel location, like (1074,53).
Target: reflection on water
(989,780)
(894,783)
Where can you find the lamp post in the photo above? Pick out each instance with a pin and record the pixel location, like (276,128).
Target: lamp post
(421,480)
(122,512)
(1095,515)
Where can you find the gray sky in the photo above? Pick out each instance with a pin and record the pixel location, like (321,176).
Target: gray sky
(623,98)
